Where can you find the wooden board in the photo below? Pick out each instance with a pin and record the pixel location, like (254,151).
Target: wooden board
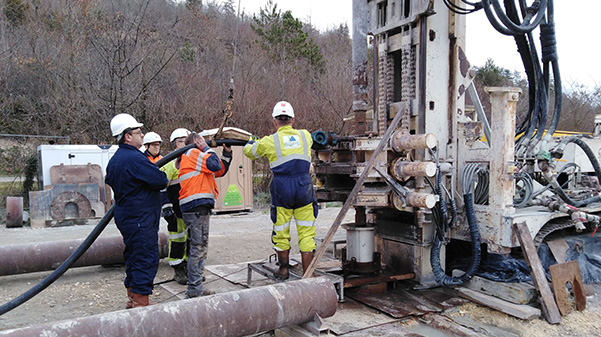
(516,310)
(548,305)
(518,293)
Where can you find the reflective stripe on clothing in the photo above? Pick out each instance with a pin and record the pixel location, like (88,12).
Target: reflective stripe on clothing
(197,196)
(197,174)
(284,146)
(178,250)
(176,236)
(305,226)
(280,158)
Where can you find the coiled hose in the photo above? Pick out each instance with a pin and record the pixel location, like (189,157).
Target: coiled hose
(58,272)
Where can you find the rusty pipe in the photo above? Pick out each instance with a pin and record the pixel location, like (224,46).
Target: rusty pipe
(400,141)
(237,313)
(401,170)
(413,199)
(43,256)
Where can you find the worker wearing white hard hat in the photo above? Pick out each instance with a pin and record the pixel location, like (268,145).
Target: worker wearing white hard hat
(136,183)
(176,227)
(152,142)
(289,154)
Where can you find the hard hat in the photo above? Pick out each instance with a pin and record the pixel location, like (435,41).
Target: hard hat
(283,108)
(178,133)
(121,122)
(151,137)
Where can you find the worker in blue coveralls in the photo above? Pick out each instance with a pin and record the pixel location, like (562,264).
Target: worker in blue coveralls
(289,154)
(136,183)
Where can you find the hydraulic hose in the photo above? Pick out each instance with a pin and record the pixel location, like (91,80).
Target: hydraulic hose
(471,172)
(439,274)
(58,272)
(593,159)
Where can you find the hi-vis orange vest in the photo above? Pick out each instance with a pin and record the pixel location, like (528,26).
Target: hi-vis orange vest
(153,159)
(196,180)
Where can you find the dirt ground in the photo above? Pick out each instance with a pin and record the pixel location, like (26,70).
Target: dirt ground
(233,238)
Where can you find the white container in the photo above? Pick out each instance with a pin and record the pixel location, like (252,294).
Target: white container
(53,155)
(360,244)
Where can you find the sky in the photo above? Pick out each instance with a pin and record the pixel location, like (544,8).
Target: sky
(576,23)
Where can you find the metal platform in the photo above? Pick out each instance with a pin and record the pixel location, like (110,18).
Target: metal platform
(268,268)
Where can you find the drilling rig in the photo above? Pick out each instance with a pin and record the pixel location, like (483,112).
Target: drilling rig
(444,171)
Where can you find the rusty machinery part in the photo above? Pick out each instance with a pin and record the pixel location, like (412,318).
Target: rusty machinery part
(577,218)
(58,207)
(402,170)
(48,280)
(549,228)
(236,313)
(400,141)
(16,259)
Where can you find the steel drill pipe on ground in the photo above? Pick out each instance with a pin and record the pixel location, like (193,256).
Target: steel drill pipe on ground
(236,313)
(48,280)
(43,256)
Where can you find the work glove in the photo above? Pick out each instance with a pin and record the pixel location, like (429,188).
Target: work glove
(170,217)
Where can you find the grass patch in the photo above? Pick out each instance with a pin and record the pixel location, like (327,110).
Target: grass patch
(261,201)
(9,189)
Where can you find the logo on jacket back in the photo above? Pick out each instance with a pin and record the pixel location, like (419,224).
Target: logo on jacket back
(291,142)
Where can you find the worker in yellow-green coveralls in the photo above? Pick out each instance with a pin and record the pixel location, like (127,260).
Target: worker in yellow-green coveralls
(289,154)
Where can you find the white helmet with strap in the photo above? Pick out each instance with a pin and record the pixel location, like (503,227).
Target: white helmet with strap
(283,108)
(122,122)
(179,133)
(151,137)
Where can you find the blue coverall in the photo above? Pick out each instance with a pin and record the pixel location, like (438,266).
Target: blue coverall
(136,183)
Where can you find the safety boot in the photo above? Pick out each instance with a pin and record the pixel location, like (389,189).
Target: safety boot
(181,275)
(283,259)
(139,300)
(306,258)
(130,302)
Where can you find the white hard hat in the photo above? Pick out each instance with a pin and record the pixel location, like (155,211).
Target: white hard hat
(283,108)
(151,137)
(178,133)
(122,122)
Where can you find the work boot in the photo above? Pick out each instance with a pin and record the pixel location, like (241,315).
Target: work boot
(130,301)
(139,300)
(283,259)
(205,292)
(181,275)
(306,258)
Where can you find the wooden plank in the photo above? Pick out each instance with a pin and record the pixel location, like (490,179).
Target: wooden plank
(558,249)
(548,305)
(517,310)
(351,198)
(518,293)
(446,324)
